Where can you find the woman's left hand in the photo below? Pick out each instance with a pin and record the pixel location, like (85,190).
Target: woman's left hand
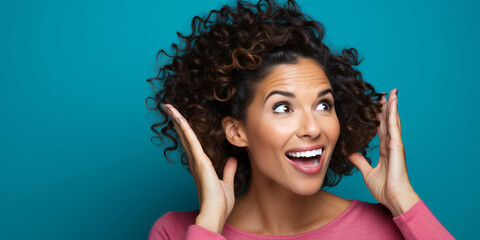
(388,181)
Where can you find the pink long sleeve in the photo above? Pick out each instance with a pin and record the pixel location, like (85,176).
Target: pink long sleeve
(360,221)
(200,233)
(419,223)
(181,226)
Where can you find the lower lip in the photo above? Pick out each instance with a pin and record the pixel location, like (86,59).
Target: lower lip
(307,170)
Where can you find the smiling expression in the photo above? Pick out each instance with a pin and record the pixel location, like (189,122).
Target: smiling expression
(291,128)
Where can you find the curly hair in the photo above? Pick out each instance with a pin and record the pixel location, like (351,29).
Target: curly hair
(212,73)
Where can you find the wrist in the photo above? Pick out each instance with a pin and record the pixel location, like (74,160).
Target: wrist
(211,223)
(403,202)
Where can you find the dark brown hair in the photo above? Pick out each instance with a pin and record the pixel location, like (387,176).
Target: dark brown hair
(212,72)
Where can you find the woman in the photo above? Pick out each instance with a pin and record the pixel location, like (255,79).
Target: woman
(267,116)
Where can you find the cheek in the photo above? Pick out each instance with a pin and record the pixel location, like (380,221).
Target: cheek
(332,132)
(335,129)
(267,137)
(277,130)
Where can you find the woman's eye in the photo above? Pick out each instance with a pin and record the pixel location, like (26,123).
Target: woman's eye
(281,108)
(323,106)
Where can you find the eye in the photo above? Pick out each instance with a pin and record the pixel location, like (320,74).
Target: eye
(281,108)
(323,106)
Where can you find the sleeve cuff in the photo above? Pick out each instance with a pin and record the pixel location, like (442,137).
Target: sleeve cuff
(200,233)
(419,223)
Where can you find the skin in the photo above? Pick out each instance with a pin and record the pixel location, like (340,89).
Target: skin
(303,120)
(267,134)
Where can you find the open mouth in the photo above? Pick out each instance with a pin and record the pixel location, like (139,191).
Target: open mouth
(307,159)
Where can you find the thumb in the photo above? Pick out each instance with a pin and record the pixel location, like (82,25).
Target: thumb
(360,162)
(229,170)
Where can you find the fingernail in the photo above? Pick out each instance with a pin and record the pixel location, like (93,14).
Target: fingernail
(396,93)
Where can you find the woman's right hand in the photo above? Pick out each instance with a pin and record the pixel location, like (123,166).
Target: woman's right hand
(216,196)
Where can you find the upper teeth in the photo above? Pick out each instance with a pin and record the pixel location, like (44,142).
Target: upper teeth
(311,153)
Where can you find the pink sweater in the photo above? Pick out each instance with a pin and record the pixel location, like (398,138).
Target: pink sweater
(361,220)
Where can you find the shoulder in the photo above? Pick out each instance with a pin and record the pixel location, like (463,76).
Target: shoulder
(371,219)
(172,225)
(370,210)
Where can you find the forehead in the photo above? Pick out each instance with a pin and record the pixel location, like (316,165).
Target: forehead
(305,74)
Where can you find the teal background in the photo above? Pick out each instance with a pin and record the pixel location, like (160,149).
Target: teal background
(76,160)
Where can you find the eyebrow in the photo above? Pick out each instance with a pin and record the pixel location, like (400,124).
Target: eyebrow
(291,95)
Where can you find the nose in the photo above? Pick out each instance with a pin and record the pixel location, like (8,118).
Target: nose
(309,126)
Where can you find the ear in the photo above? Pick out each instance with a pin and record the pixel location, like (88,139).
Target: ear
(234,131)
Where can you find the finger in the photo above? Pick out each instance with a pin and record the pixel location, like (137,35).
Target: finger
(190,137)
(382,117)
(388,114)
(391,97)
(396,143)
(229,171)
(360,162)
(398,114)
(179,132)
(200,165)
(398,120)
(183,142)
(393,118)
(382,128)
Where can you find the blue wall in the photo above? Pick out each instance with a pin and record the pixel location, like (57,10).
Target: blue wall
(76,160)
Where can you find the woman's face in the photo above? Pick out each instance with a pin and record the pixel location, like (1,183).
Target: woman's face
(291,128)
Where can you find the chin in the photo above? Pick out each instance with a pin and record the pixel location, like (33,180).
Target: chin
(307,188)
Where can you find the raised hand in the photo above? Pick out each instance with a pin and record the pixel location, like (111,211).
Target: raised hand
(216,196)
(388,181)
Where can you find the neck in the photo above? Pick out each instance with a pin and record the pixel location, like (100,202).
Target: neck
(269,209)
